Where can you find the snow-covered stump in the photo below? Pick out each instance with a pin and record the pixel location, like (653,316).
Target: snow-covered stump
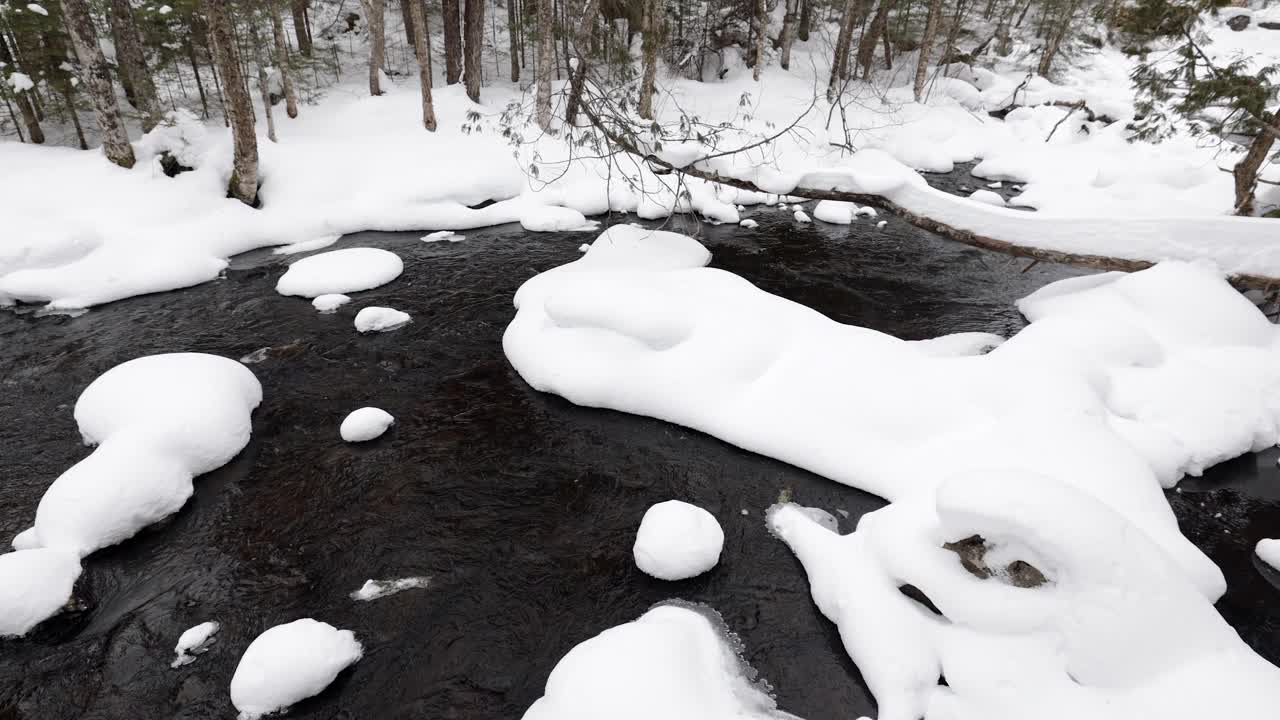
(289,663)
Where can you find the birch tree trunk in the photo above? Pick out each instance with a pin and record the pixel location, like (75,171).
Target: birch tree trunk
(133,63)
(652,38)
(762,33)
(417,14)
(544,59)
(300,28)
(841,56)
(926,44)
(375,15)
(97,82)
(473,46)
(243,185)
(282,60)
(452,41)
(25,108)
(788,34)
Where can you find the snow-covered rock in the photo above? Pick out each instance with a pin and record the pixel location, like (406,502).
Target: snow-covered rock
(882,223)
(289,663)
(677,540)
(34,586)
(670,664)
(749,223)
(1269,551)
(443,236)
(302,246)
(552,218)
(330,302)
(835,212)
(988,197)
(340,271)
(866,211)
(801,216)
(194,641)
(376,589)
(380,319)
(365,424)
(158,422)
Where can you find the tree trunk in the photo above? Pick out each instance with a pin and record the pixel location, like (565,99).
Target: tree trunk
(581,45)
(473,38)
(544,59)
(1056,35)
(841,57)
(418,16)
(133,63)
(282,59)
(652,38)
(1247,170)
(788,34)
(452,41)
(195,70)
(97,82)
(406,18)
(953,34)
(25,108)
(762,34)
(375,16)
(300,29)
(926,44)
(239,108)
(806,19)
(513,35)
(263,89)
(867,48)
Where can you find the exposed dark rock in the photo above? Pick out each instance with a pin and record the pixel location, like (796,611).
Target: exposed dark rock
(973,553)
(1239,22)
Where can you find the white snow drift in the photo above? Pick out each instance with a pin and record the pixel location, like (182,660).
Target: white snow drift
(194,641)
(289,663)
(1269,551)
(34,586)
(340,271)
(365,424)
(1053,447)
(670,664)
(380,319)
(677,540)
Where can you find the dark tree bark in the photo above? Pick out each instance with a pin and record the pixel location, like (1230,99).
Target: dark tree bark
(406,17)
(282,59)
(22,100)
(473,38)
(239,108)
(421,38)
(301,28)
(544,60)
(513,34)
(867,49)
(581,47)
(1246,171)
(195,70)
(133,63)
(97,82)
(452,41)
(806,19)
(926,44)
(840,59)
(652,38)
(375,15)
(1057,34)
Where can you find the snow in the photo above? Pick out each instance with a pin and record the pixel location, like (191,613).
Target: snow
(365,424)
(834,211)
(157,421)
(550,218)
(307,245)
(440,235)
(34,586)
(340,271)
(329,303)
(289,663)
(377,589)
(671,663)
(677,540)
(380,319)
(749,224)
(38,9)
(1269,551)
(164,10)
(1054,446)
(802,217)
(20,82)
(194,641)
(988,197)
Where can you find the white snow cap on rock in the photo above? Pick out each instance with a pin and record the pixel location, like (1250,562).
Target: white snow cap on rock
(194,641)
(34,586)
(671,664)
(380,319)
(340,271)
(801,216)
(677,540)
(330,303)
(748,223)
(365,424)
(376,589)
(988,197)
(835,212)
(158,421)
(1269,551)
(289,663)
(552,218)
(443,235)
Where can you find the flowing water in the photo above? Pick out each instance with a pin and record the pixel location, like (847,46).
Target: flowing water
(520,507)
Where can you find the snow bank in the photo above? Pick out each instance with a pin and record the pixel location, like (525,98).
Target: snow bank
(365,424)
(194,641)
(289,663)
(677,540)
(1267,550)
(377,589)
(330,302)
(34,586)
(158,422)
(340,271)
(380,319)
(671,663)
(1053,448)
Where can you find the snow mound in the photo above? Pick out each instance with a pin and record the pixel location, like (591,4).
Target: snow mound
(365,424)
(671,663)
(307,245)
(677,540)
(801,216)
(988,197)
(330,302)
(34,586)
(1268,550)
(158,422)
(380,319)
(552,218)
(635,248)
(194,641)
(835,212)
(376,589)
(340,271)
(443,235)
(289,663)
(749,223)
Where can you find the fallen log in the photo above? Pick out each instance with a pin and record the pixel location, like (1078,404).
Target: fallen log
(1001,113)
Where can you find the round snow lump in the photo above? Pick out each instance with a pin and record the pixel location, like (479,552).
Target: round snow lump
(34,586)
(677,541)
(380,319)
(289,663)
(340,271)
(365,424)
(330,302)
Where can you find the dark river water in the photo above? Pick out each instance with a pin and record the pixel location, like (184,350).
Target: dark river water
(519,506)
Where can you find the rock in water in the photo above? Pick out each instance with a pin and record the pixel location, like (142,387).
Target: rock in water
(289,663)
(677,541)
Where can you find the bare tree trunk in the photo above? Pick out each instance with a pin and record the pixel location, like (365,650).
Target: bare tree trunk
(953,34)
(282,59)
(473,46)
(841,57)
(1246,171)
(17,126)
(806,19)
(68,95)
(133,63)
(652,38)
(300,27)
(452,41)
(513,35)
(926,44)
(375,16)
(97,81)
(762,34)
(25,108)
(581,45)
(1056,35)
(406,18)
(867,49)
(418,16)
(544,59)
(195,70)
(239,108)
(788,34)
(264,90)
